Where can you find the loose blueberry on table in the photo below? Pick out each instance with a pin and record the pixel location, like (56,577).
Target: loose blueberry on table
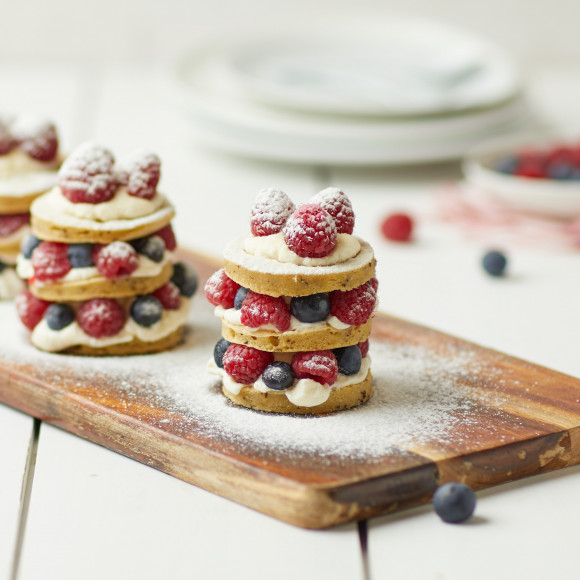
(454,502)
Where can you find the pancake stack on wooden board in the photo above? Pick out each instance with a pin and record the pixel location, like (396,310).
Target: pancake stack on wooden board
(101,279)
(296,299)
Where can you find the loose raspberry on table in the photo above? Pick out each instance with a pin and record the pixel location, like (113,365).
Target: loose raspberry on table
(140,173)
(115,259)
(169,296)
(337,204)
(271,209)
(12,222)
(101,317)
(320,366)
(168,236)
(397,227)
(36,137)
(50,261)
(364,347)
(30,309)
(244,363)
(259,309)
(355,306)
(220,290)
(310,232)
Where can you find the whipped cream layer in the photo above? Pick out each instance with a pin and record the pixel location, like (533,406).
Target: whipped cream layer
(21,175)
(10,284)
(15,237)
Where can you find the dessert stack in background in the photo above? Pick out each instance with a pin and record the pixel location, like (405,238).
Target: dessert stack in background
(99,260)
(296,299)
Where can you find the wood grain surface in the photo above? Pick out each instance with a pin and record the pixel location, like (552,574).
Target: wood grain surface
(533,428)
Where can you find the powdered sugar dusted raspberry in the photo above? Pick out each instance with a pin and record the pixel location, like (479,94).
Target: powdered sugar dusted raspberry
(337,204)
(320,366)
(168,236)
(271,209)
(50,261)
(374,283)
(169,296)
(355,306)
(220,290)
(259,309)
(364,347)
(140,172)
(101,317)
(30,309)
(12,222)
(310,232)
(36,137)
(244,363)
(115,259)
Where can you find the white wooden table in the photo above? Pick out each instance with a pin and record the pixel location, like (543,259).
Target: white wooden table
(70,509)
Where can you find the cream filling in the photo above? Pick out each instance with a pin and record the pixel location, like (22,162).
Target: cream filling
(304,392)
(54,340)
(21,175)
(10,284)
(15,237)
(274,247)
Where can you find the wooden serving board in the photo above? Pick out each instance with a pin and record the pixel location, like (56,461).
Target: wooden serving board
(522,419)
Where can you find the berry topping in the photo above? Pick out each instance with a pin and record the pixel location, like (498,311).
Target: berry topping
(152,246)
(319,365)
(494,263)
(168,237)
(115,259)
(7,141)
(259,309)
(349,360)
(310,232)
(169,296)
(50,261)
(271,209)
(244,363)
(397,227)
(312,308)
(337,204)
(454,502)
(240,297)
(218,352)
(146,311)
(220,290)
(86,176)
(185,278)
(364,347)
(374,284)
(278,376)
(355,306)
(36,137)
(12,222)
(59,316)
(80,255)
(101,317)
(140,173)
(28,245)
(30,309)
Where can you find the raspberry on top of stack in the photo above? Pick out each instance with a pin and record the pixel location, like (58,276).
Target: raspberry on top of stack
(296,299)
(99,260)
(29,159)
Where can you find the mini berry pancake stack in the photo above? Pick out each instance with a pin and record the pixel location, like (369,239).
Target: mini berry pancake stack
(29,159)
(296,299)
(101,280)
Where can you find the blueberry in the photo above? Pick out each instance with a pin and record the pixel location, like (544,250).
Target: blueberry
(454,502)
(218,352)
(28,245)
(313,308)
(2,266)
(185,278)
(560,171)
(146,311)
(278,376)
(152,246)
(349,359)
(507,165)
(59,316)
(494,263)
(80,255)
(240,295)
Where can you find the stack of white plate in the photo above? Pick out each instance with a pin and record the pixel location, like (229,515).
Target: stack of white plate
(402,91)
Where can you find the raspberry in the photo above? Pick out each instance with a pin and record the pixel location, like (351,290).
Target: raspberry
(272,208)
(169,296)
(140,173)
(115,259)
(7,141)
(30,309)
(374,283)
(355,306)
(310,232)
(12,222)
(319,365)
(364,347)
(168,237)
(50,261)
(221,290)
(87,175)
(101,317)
(337,204)
(244,363)
(259,309)
(397,227)
(37,138)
